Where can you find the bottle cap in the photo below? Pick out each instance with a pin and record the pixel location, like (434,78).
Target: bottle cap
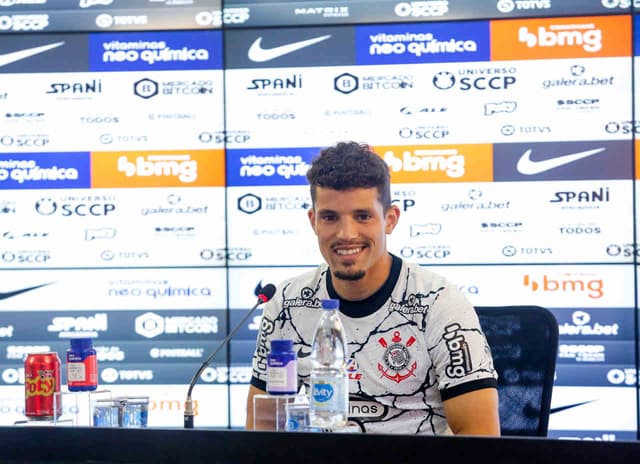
(81,343)
(281,345)
(330,304)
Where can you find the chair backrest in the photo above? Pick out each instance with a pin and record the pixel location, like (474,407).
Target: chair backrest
(524,345)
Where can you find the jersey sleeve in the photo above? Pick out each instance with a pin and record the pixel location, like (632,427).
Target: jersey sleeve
(266,332)
(458,347)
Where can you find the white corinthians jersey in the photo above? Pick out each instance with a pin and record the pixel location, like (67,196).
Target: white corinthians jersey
(413,344)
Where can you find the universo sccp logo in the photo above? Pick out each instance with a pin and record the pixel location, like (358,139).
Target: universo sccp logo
(489,79)
(48,207)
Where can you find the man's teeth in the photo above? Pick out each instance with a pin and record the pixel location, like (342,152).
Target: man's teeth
(351,251)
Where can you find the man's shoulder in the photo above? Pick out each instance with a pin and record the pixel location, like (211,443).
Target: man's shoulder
(423,276)
(310,278)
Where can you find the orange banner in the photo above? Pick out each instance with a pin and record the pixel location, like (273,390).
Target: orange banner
(162,168)
(570,37)
(439,163)
(637,156)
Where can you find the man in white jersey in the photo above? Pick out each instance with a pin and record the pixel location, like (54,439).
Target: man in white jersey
(418,360)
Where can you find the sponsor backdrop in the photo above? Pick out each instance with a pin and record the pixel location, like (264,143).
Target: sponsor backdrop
(152,177)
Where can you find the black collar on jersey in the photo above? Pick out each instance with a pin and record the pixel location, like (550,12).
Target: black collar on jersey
(371,304)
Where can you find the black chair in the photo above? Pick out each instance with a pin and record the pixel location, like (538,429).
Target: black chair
(524,345)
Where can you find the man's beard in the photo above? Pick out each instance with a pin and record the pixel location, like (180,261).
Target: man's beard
(352,276)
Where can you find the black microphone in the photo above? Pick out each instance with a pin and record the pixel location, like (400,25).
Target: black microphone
(264,294)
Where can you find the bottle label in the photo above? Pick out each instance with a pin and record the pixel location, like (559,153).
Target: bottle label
(329,394)
(282,377)
(277,377)
(322,392)
(76,372)
(82,373)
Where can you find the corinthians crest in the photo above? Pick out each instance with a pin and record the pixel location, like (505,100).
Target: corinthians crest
(396,358)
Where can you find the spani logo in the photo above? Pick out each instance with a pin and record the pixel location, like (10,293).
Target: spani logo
(322,392)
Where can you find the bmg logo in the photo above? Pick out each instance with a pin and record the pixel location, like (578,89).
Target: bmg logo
(171,165)
(594,287)
(588,37)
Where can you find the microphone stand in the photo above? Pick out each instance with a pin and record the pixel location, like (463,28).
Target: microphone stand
(265,295)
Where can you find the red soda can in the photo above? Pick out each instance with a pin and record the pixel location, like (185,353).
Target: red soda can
(42,386)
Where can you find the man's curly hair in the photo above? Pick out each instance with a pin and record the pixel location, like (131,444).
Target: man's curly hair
(349,165)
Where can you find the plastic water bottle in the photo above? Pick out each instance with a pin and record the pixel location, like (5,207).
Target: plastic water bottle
(329,395)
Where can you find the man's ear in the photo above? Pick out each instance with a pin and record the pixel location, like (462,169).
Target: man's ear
(392,217)
(312,218)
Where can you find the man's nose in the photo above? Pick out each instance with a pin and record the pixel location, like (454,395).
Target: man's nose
(347,229)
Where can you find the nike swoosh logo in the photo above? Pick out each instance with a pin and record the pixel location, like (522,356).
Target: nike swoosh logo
(12,57)
(568,406)
(528,167)
(260,55)
(7,295)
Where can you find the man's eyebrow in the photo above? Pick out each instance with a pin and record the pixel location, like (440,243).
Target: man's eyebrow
(326,210)
(355,211)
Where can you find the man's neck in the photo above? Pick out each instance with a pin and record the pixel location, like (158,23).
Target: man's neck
(356,290)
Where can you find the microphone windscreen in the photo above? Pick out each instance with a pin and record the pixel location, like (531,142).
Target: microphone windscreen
(267,292)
